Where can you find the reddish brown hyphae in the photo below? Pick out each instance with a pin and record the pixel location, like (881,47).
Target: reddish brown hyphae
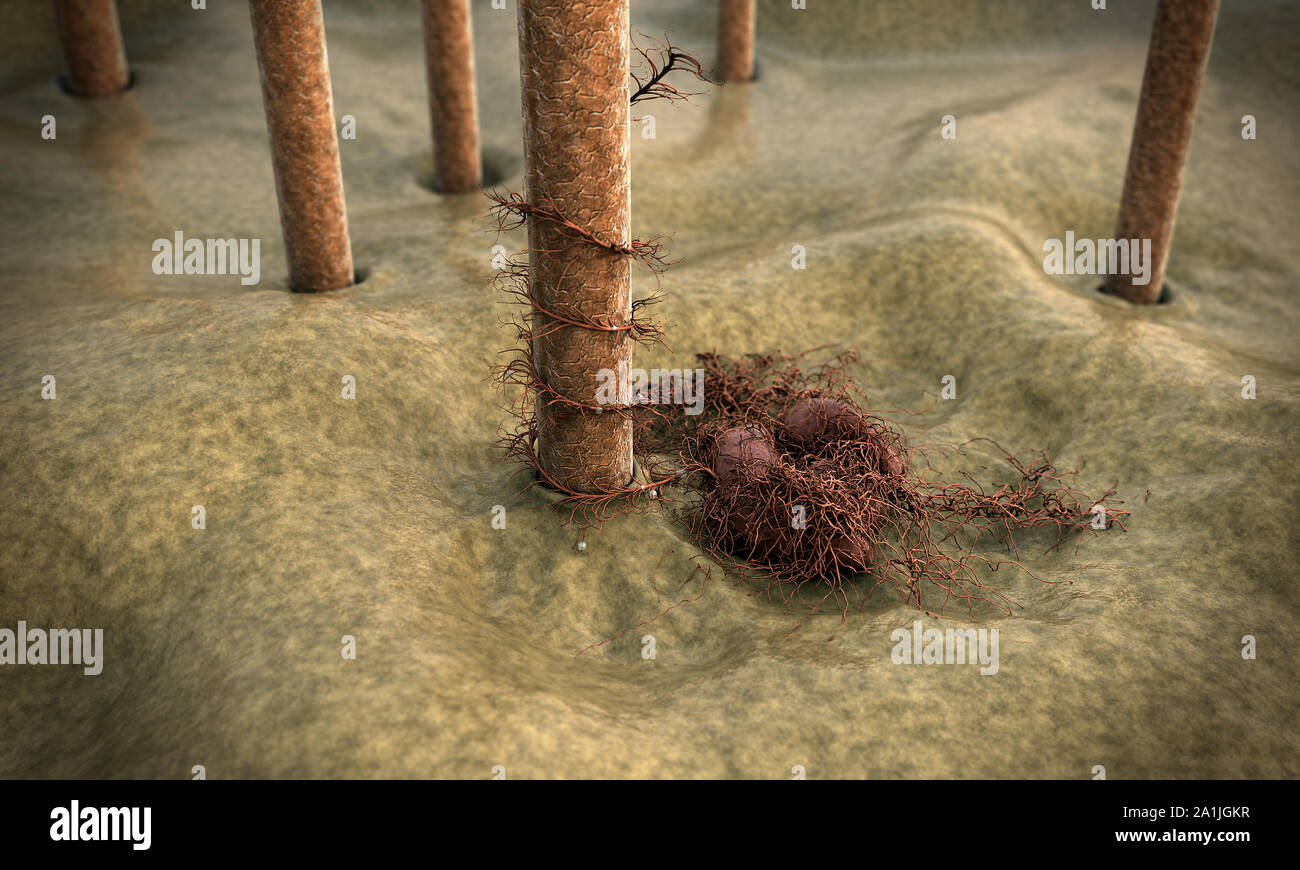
(793,484)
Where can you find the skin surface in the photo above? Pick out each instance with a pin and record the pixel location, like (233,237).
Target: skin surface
(573,62)
(373,517)
(92,45)
(290,41)
(1162,136)
(453,109)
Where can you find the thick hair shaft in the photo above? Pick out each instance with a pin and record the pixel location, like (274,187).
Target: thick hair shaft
(736,40)
(574,72)
(92,45)
(289,36)
(1162,136)
(453,108)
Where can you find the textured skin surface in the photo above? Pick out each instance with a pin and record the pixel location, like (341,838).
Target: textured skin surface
(371,517)
(289,37)
(573,59)
(453,108)
(735,40)
(92,44)
(1180,44)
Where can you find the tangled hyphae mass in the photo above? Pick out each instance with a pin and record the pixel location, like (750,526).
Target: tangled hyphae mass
(793,484)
